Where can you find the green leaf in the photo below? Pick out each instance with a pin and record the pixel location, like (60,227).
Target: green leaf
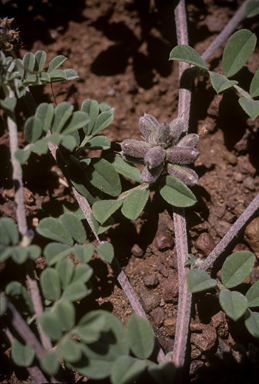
(105,251)
(54,230)
(9,103)
(220,83)
(62,114)
(54,252)
(198,280)
(51,325)
(103,176)
(55,63)
(254,86)
(71,74)
(29,61)
(252,323)
(163,373)
(70,350)
(82,273)
(45,113)
(8,231)
(140,336)
(84,253)
(103,120)
(102,210)
(20,298)
(33,129)
(40,146)
(40,59)
(135,203)
(90,326)
(65,269)
(101,228)
(237,268)
(98,142)
(22,354)
(126,370)
(65,312)
(3,305)
(22,155)
(188,55)
(69,142)
(124,168)
(233,303)
(252,295)
(49,363)
(19,254)
(76,121)
(74,226)
(252,8)
(251,107)
(92,108)
(75,291)
(239,48)
(34,251)
(176,193)
(50,284)
(57,75)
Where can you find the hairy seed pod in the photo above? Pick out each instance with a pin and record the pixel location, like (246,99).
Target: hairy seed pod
(131,159)
(154,157)
(189,140)
(181,155)
(135,148)
(151,175)
(163,135)
(176,130)
(187,175)
(149,127)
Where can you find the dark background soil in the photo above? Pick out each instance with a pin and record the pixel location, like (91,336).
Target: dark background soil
(120,49)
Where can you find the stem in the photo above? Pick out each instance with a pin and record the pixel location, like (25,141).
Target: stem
(234,230)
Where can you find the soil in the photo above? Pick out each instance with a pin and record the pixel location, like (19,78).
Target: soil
(120,50)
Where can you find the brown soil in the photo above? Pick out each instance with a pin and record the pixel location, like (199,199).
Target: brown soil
(120,50)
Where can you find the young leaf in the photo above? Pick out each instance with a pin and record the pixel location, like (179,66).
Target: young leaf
(198,281)
(62,114)
(105,251)
(49,363)
(126,370)
(135,203)
(140,336)
(254,86)
(237,268)
(102,210)
(54,230)
(98,142)
(65,269)
(8,231)
(251,107)
(51,325)
(176,193)
(92,108)
(252,323)
(188,55)
(55,63)
(50,284)
(65,312)
(40,59)
(84,252)
(220,83)
(74,226)
(252,295)
(75,291)
(33,129)
(22,354)
(54,252)
(126,169)
(239,48)
(163,373)
(103,176)
(82,273)
(252,8)
(103,120)
(45,113)
(233,303)
(70,350)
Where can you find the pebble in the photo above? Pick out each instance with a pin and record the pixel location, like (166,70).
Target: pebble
(150,281)
(205,340)
(173,260)
(164,240)
(251,235)
(170,325)
(158,316)
(149,300)
(249,183)
(194,366)
(230,158)
(205,243)
(219,322)
(254,275)
(163,270)
(222,227)
(195,352)
(170,291)
(238,177)
(137,251)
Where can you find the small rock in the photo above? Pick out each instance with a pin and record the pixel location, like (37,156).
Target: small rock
(137,251)
(245,167)
(111,92)
(163,270)
(164,240)
(195,352)
(231,204)
(173,261)
(194,366)
(254,275)
(150,300)
(205,340)
(150,281)
(170,291)
(205,243)
(251,235)
(223,347)
(219,322)
(158,316)
(220,211)
(238,177)
(170,325)
(230,217)
(249,183)
(195,327)
(230,158)
(222,227)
